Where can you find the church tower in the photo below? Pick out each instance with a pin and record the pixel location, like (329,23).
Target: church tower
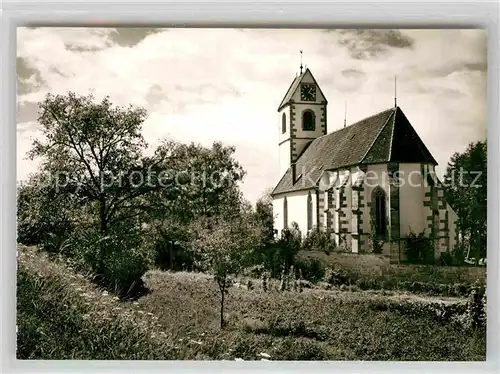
(302,118)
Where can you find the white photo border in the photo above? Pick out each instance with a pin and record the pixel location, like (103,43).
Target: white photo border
(290,14)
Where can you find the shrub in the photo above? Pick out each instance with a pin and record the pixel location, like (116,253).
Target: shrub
(445,259)
(319,240)
(458,255)
(118,260)
(454,258)
(41,217)
(376,242)
(476,309)
(419,248)
(336,277)
(169,242)
(289,245)
(311,269)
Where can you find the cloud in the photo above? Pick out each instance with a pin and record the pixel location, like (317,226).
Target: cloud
(352,73)
(364,44)
(131,36)
(28,77)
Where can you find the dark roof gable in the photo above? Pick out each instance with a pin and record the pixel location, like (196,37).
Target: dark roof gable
(384,137)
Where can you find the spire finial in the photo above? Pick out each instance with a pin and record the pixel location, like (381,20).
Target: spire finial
(300,61)
(395,95)
(345,114)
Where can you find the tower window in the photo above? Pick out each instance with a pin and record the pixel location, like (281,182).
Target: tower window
(283,123)
(379,206)
(308,120)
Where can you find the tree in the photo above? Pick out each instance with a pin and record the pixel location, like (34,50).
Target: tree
(207,180)
(264,215)
(41,214)
(466,192)
(207,185)
(94,151)
(224,248)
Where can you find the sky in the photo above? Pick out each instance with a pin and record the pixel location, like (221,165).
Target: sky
(206,85)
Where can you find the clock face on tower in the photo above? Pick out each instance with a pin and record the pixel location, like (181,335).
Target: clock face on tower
(308,92)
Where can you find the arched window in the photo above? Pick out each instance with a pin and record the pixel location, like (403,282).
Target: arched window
(379,211)
(308,120)
(309,212)
(285,213)
(283,123)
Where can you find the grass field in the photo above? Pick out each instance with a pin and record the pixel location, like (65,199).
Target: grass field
(61,315)
(377,267)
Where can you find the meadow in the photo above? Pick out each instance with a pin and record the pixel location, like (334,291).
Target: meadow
(63,315)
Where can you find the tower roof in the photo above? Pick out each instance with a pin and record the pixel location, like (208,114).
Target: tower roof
(288,98)
(384,137)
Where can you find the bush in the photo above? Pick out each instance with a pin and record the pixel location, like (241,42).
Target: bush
(336,277)
(419,248)
(454,258)
(310,268)
(319,240)
(118,260)
(43,217)
(377,243)
(278,257)
(169,242)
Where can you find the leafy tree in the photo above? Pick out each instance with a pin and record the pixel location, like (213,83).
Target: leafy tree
(207,185)
(224,248)
(94,151)
(207,181)
(466,192)
(45,217)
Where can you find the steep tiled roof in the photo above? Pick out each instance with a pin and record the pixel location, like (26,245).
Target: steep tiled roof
(384,137)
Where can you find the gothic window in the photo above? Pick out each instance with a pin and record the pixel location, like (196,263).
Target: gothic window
(285,213)
(283,123)
(309,212)
(308,120)
(379,207)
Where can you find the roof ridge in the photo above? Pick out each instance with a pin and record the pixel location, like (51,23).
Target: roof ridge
(392,134)
(286,93)
(284,101)
(355,123)
(380,131)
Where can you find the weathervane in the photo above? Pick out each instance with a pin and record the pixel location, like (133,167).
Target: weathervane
(300,61)
(395,96)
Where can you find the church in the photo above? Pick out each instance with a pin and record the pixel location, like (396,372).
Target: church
(375,176)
